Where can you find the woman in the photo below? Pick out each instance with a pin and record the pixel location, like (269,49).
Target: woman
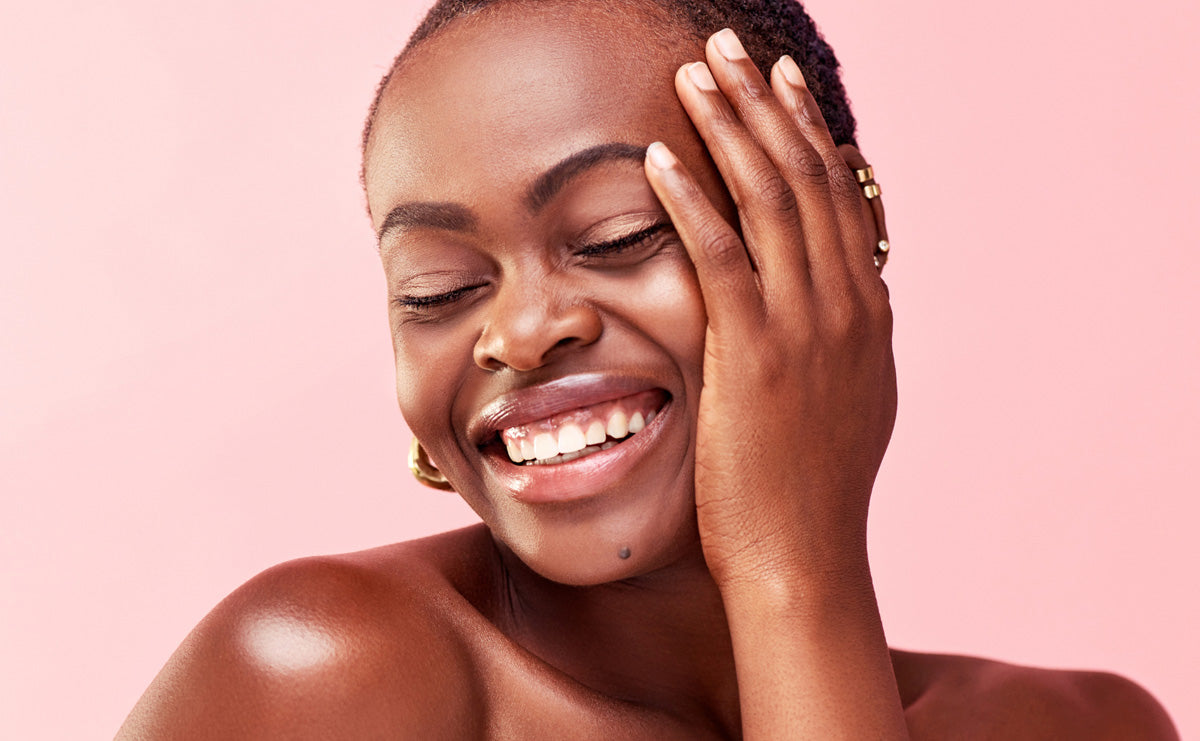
(639,326)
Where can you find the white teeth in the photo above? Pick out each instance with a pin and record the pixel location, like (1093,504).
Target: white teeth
(545,446)
(618,425)
(571,439)
(571,456)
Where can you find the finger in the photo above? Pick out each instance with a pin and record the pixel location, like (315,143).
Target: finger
(781,139)
(766,204)
(727,281)
(874,217)
(792,91)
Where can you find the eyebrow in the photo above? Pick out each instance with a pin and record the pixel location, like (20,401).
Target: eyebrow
(449,216)
(556,178)
(456,217)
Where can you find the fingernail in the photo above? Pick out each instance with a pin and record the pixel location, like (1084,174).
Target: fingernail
(791,71)
(660,156)
(728,45)
(698,73)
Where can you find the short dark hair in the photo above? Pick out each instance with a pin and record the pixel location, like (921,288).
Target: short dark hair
(768,28)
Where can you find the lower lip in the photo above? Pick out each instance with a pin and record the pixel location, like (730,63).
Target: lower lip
(578,479)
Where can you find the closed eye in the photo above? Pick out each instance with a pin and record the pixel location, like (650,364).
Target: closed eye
(621,244)
(437,299)
(419,303)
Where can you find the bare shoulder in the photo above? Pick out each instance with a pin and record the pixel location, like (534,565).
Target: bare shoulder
(948,696)
(329,647)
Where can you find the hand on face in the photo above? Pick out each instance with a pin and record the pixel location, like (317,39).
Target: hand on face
(799,391)
(796,315)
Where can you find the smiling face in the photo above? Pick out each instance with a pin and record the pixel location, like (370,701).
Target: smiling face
(537,290)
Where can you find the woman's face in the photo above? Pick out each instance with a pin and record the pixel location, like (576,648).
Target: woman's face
(535,283)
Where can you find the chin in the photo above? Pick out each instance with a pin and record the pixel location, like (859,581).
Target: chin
(580,546)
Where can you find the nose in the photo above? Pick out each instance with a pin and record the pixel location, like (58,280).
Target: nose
(528,326)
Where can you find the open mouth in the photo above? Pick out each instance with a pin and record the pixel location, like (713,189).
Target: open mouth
(580,432)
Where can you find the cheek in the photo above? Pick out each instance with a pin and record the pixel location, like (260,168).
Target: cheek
(672,298)
(424,396)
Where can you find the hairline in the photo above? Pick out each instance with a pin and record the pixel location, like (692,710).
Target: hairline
(663,21)
(693,19)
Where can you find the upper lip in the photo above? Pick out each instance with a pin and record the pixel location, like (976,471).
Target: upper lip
(548,399)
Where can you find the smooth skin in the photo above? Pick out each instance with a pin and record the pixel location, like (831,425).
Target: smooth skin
(746,609)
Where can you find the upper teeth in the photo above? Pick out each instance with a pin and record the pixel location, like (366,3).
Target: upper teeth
(572,437)
(596,433)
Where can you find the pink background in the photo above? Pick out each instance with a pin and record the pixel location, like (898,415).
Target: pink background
(196,384)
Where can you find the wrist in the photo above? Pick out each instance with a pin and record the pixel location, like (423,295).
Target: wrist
(813,566)
(827,591)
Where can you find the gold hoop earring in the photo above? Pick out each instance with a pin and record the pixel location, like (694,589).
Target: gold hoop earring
(424,470)
(870,189)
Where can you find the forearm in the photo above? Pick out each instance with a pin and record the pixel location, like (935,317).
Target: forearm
(812,662)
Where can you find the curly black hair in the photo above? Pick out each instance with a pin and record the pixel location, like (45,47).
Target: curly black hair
(767,28)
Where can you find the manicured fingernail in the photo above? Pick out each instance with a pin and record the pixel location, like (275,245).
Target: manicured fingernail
(791,71)
(728,44)
(660,156)
(698,73)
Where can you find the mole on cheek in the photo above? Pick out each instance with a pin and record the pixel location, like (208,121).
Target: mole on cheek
(624,552)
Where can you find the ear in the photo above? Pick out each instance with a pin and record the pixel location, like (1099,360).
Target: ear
(873,207)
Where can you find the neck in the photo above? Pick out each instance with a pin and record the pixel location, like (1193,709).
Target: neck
(659,640)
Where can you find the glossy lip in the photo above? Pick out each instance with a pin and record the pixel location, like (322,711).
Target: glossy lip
(548,399)
(581,478)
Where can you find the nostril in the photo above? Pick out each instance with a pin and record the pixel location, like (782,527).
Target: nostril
(532,334)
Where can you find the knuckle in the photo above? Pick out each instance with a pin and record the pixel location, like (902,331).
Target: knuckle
(848,318)
(842,183)
(881,312)
(873,316)
(721,246)
(766,366)
(808,165)
(770,186)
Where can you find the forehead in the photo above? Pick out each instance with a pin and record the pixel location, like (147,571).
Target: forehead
(496,98)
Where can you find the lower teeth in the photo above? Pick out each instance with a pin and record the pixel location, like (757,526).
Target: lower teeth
(577,454)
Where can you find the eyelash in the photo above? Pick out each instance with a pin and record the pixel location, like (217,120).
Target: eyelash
(425,302)
(615,246)
(622,243)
